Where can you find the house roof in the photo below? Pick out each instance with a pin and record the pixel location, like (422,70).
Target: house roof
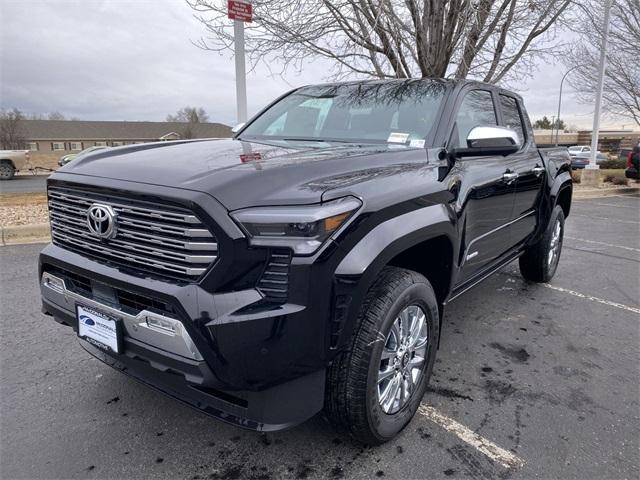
(89,130)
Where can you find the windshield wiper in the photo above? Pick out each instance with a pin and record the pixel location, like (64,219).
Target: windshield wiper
(323,140)
(304,140)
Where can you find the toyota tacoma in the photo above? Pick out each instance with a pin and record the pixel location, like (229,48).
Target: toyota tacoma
(305,263)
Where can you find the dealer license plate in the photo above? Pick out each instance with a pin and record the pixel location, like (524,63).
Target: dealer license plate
(99,329)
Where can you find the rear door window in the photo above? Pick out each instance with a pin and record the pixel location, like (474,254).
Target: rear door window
(511,116)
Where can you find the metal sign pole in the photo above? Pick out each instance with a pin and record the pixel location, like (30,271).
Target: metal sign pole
(241,79)
(603,65)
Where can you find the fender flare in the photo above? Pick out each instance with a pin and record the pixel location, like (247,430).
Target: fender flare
(561,182)
(550,198)
(393,236)
(360,267)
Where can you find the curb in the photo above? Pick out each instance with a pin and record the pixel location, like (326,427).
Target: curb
(604,192)
(19,234)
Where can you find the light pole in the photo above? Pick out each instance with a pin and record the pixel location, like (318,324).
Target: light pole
(560,99)
(601,71)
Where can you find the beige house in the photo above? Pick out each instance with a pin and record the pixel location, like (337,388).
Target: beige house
(48,140)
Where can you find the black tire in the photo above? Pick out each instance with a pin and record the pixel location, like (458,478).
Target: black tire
(7,171)
(536,264)
(352,380)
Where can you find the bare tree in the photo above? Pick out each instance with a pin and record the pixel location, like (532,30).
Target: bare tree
(621,94)
(11,131)
(490,40)
(189,115)
(55,116)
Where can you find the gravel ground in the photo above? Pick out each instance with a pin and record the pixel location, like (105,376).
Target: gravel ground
(23,214)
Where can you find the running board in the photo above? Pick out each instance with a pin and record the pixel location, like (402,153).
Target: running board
(475,281)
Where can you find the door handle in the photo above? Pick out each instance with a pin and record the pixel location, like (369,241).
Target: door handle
(509,177)
(537,170)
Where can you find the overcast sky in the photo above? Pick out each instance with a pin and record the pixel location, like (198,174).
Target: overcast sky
(122,60)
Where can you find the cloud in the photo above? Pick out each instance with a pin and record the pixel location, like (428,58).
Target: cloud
(117,60)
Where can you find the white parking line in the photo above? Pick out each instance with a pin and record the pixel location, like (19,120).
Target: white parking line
(605,244)
(593,299)
(604,218)
(613,205)
(633,195)
(483,445)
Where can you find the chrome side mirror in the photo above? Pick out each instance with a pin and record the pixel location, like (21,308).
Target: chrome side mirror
(238,127)
(492,137)
(490,140)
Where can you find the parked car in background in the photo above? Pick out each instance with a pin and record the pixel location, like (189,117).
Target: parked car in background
(72,156)
(581,160)
(624,154)
(579,149)
(12,161)
(633,164)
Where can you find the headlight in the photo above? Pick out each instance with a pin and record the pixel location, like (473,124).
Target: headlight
(303,228)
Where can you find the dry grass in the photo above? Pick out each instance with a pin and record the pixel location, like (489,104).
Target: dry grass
(614,172)
(22,199)
(608,175)
(46,161)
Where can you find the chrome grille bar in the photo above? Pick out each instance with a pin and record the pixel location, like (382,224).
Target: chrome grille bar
(172,242)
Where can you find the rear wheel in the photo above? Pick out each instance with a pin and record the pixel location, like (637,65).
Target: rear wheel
(540,261)
(375,387)
(7,171)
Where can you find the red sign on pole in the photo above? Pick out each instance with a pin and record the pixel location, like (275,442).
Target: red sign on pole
(241,11)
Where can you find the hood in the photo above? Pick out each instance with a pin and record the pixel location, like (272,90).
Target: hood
(241,174)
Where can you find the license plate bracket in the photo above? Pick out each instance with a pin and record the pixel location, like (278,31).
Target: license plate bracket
(99,328)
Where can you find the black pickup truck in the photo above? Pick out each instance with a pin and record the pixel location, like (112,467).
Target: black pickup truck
(306,262)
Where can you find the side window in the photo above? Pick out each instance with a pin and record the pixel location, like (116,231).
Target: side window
(512,117)
(476,110)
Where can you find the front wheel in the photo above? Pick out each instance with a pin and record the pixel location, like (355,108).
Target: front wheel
(6,171)
(540,261)
(375,387)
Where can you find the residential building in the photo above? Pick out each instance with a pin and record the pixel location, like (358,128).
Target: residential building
(67,136)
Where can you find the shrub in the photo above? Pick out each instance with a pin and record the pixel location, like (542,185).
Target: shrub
(613,164)
(620,181)
(576,175)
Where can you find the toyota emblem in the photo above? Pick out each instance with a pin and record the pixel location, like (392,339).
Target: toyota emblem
(102,221)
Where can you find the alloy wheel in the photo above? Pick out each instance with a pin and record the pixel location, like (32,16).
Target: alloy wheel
(403,358)
(554,245)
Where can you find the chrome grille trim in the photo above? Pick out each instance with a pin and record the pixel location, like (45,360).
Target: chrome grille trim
(172,243)
(148,212)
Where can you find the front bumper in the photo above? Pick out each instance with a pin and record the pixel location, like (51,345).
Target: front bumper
(254,369)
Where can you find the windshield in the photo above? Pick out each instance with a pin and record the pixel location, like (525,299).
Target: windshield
(378,112)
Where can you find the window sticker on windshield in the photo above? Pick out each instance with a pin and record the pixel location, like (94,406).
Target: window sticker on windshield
(397,137)
(417,143)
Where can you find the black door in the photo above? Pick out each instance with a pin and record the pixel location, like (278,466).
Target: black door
(530,171)
(487,186)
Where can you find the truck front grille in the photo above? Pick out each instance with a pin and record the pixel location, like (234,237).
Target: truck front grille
(165,240)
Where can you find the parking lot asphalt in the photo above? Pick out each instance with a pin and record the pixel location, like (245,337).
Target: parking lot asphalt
(24,184)
(549,374)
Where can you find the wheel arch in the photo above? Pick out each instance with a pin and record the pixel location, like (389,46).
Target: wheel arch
(9,161)
(422,241)
(563,197)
